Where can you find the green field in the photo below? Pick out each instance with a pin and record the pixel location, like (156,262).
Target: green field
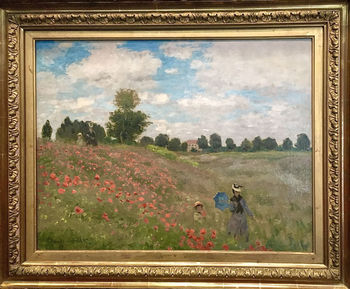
(130,198)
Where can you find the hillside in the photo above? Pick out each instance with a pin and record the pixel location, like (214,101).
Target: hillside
(130,198)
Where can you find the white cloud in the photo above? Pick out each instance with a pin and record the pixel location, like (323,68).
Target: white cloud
(111,68)
(171,71)
(179,50)
(202,105)
(256,65)
(196,64)
(48,56)
(154,98)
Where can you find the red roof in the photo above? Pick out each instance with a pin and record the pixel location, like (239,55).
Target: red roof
(192,141)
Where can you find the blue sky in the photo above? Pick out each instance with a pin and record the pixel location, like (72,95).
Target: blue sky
(237,88)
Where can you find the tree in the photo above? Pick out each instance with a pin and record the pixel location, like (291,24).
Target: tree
(184,146)
(257,144)
(215,141)
(174,144)
(287,144)
(230,145)
(303,142)
(146,140)
(46,131)
(270,144)
(246,145)
(66,131)
(126,99)
(69,130)
(162,140)
(202,142)
(125,124)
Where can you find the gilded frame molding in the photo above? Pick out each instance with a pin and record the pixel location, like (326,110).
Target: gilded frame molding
(330,18)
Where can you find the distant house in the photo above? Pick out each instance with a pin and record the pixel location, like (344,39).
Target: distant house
(192,145)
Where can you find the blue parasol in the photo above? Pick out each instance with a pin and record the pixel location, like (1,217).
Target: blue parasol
(221,201)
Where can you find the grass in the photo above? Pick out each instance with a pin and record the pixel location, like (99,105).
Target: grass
(131,198)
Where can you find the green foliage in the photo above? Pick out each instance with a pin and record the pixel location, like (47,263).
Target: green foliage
(146,140)
(46,131)
(69,130)
(230,145)
(215,141)
(270,144)
(303,142)
(287,144)
(162,140)
(170,155)
(174,144)
(126,99)
(163,152)
(246,145)
(184,146)
(125,124)
(202,142)
(257,144)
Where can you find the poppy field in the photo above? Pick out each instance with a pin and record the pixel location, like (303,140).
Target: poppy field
(123,197)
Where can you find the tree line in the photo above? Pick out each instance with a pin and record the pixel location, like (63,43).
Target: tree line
(126,124)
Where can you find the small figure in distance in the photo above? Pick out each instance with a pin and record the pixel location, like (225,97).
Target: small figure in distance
(80,140)
(90,136)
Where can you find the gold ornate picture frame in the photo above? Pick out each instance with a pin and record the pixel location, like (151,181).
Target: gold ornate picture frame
(26,267)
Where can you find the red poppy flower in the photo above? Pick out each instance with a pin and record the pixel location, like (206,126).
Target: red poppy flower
(141,199)
(78,210)
(110,200)
(99,199)
(53,176)
(203,231)
(146,220)
(74,191)
(210,245)
(213,234)
(225,247)
(97,177)
(167,215)
(105,216)
(61,191)
(155,228)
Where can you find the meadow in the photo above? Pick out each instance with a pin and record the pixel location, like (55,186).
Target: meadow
(119,197)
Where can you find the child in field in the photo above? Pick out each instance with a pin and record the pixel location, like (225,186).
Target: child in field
(199,214)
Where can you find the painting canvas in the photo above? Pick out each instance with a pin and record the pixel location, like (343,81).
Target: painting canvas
(174,145)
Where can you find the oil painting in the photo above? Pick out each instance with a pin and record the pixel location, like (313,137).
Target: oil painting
(174,145)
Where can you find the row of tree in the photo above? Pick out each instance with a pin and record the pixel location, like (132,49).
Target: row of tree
(163,140)
(69,130)
(215,143)
(257,144)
